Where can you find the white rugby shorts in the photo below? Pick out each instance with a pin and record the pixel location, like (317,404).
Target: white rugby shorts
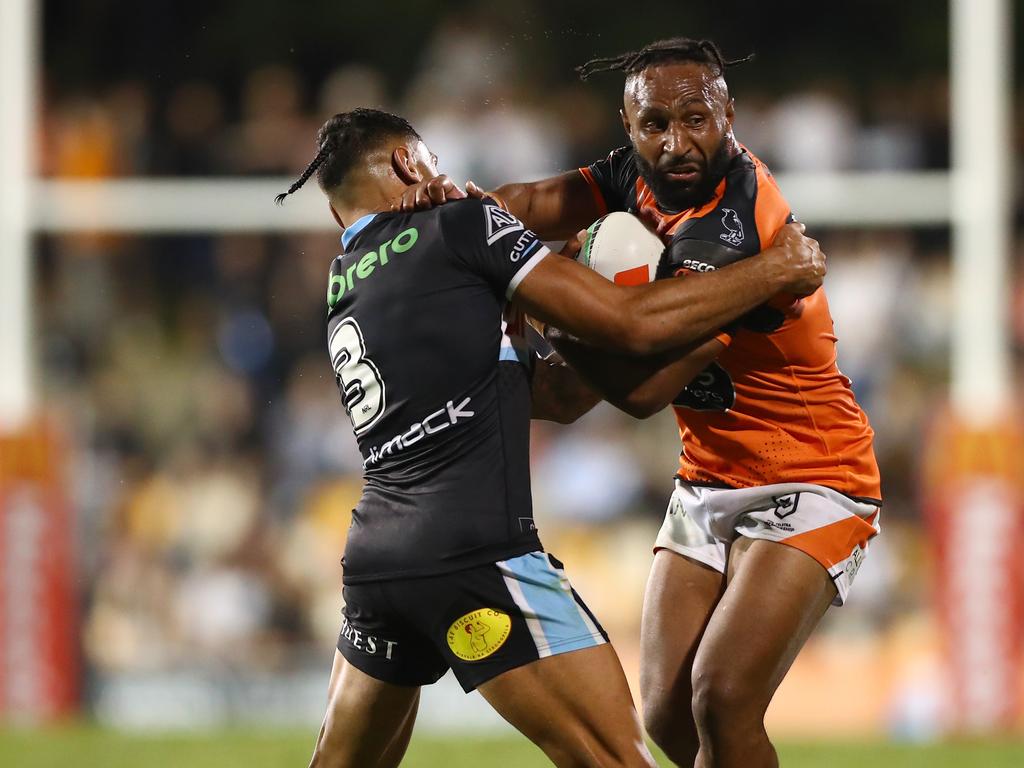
(702,523)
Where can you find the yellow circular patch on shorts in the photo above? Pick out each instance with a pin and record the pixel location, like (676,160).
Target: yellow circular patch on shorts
(478,634)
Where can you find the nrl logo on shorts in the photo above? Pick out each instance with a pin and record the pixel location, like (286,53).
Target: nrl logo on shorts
(733,227)
(786,505)
(499,223)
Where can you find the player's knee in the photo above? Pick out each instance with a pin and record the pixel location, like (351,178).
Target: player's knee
(723,698)
(666,720)
(671,728)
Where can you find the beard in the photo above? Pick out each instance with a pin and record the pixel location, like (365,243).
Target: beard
(675,196)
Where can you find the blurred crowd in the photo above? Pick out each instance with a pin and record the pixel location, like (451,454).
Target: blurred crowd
(485,114)
(213,466)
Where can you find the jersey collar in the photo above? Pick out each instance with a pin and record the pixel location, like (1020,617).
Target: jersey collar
(358,226)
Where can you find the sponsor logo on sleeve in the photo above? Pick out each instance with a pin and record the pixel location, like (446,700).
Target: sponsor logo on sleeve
(526,245)
(478,634)
(499,223)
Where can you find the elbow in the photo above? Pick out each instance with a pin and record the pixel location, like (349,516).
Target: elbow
(560,416)
(564,412)
(567,417)
(640,407)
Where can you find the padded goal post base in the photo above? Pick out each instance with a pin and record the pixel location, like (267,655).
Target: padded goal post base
(973,492)
(39,669)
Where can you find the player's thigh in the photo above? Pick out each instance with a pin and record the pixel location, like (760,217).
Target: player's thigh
(519,633)
(774,597)
(679,600)
(576,706)
(367,719)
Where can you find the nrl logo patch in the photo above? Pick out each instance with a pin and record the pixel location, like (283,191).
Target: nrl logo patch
(786,505)
(733,227)
(499,223)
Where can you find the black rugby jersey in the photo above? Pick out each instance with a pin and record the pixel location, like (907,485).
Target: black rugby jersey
(438,395)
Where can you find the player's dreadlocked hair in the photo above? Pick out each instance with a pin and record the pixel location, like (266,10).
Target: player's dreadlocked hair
(659,52)
(343,140)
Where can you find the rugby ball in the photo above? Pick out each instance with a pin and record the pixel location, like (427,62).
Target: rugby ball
(620,248)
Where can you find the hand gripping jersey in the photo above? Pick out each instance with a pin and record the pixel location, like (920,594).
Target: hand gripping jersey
(774,407)
(438,396)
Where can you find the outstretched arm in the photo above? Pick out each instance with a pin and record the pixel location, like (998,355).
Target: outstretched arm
(555,208)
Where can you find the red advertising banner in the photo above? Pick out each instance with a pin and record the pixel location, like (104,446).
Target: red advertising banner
(974,501)
(38,613)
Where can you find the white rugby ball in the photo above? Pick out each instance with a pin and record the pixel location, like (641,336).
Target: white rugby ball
(620,248)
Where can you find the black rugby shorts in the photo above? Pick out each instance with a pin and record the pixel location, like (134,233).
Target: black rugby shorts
(479,622)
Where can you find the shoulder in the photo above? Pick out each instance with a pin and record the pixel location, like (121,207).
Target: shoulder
(618,167)
(613,179)
(771,210)
(623,156)
(474,217)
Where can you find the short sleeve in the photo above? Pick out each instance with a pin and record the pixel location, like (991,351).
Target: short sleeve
(613,180)
(491,242)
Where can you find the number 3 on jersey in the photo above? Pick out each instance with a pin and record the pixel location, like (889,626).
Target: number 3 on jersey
(362,388)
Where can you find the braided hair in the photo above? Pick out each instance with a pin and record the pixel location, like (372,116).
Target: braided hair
(345,139)
(660,52)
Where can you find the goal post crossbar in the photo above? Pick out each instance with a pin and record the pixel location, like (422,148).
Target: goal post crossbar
(176,205)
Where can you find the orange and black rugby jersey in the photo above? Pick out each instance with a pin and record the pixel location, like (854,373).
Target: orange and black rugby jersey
(774,407)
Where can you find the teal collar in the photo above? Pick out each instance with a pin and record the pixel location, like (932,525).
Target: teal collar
(357,226)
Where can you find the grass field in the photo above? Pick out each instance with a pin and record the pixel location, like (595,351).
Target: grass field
(85,747)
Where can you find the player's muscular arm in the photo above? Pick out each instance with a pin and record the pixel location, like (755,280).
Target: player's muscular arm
(672,313)
(639,386)
(559,394)
(554,208)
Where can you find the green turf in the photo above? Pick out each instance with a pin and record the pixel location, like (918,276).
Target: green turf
(85,747)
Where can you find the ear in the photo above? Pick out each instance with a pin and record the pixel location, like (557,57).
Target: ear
(337,218)
(404,165)
(625,121)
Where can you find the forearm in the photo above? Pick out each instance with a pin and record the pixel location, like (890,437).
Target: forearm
(560,394)
(639,386)
(644,320)
(672,313)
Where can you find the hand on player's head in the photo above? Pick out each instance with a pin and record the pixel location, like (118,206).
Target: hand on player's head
(427,194)
(433,192)
(802,259)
